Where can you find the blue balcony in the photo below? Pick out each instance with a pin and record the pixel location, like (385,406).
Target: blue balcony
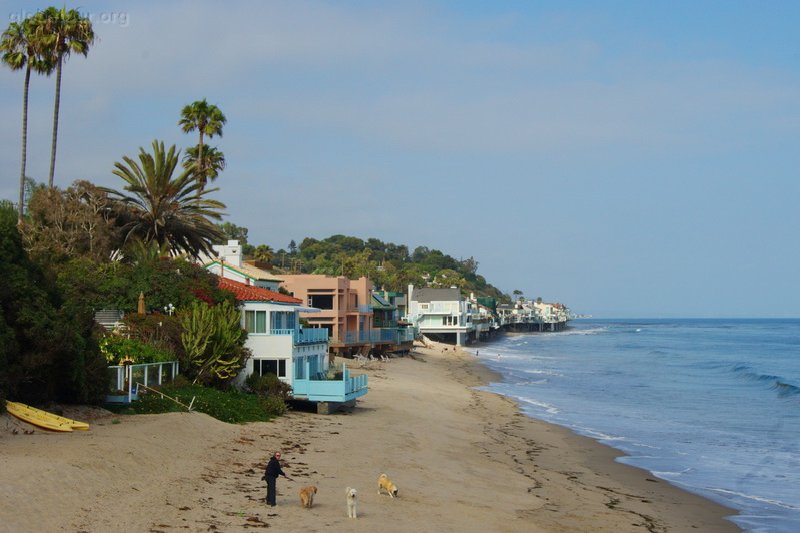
(310,336)
(304,336)
(379,336)
(319,388)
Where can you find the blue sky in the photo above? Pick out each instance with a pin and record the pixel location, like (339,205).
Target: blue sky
(629,159)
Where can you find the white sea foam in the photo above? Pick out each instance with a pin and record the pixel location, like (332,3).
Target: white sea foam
(543,373)
(599,435)
(753,497)
(551,409)
(666,474)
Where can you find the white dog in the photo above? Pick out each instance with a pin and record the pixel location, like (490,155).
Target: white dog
(351,502)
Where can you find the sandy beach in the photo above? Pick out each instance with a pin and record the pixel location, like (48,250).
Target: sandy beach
(463,460)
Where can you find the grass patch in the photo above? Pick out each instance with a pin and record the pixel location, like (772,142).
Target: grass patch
(232,406)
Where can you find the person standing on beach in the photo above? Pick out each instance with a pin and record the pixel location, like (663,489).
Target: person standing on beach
(271,476)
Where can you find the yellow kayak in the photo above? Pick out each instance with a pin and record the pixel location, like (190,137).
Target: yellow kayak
(43,419)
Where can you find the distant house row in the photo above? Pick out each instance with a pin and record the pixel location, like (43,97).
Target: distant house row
(297,324)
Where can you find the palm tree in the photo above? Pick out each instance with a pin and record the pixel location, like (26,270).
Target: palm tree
(213,161)
(172,212)
(263,252)
(21,50)
(61,33)
(207,119)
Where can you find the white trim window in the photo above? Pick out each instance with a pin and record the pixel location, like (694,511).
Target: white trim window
(255,321)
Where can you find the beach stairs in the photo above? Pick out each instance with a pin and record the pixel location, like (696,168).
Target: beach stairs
(110,319)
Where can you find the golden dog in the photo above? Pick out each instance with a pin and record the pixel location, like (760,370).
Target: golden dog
(385,484)
(307,496)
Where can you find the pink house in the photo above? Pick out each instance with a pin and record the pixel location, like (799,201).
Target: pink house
(344,305)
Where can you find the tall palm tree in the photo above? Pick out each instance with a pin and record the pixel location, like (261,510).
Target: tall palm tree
(213,161)
(173,212)
(62,32)
(207,119)
(21,49)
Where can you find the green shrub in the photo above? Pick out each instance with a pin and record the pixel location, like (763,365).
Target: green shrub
(274,405)
(116,347)
(232,406)
(268,385)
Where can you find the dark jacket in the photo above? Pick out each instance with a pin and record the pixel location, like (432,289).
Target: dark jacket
(274,468)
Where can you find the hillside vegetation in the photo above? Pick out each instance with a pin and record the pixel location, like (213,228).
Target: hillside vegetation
(391,266)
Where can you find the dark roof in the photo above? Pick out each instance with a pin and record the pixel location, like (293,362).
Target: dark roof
(436,295)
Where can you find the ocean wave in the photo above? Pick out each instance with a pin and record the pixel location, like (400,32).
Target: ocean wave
(544,373)
(598,435)
(666,474)
(551,409)
(753,497)
(785,390)
(773,382)
(569,332)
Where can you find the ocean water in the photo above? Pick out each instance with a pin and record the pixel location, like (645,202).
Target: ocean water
(712,406)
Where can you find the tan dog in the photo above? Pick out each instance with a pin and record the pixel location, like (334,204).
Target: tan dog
(307,496)
(385,484)
(352,503)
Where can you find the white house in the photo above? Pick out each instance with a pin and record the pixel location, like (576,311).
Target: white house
(274,334)
(228,263)
(281,346)
(441,312)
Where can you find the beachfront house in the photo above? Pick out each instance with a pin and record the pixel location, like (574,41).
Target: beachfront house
(296,354)
(442,314)
(344,308)
(347,312)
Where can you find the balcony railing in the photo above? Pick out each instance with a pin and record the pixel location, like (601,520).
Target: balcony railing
(310,335)
(322,388)
(439,309)
(377,336)
(359,309)
(304,336)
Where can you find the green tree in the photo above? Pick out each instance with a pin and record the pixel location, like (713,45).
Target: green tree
(61,33)
(263,252)
(212,164)
(21,49)
(170,211)
(71,223)
(448,278)
(233,232)
(47,348)
(208,120)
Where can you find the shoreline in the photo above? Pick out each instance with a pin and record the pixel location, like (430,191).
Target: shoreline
(463,459)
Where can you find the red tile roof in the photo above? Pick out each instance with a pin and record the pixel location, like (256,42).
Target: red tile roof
(249,293)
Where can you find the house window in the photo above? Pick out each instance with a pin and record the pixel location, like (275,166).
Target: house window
(255,321)
(423,307)
(449,320)
(321,301)
(263,367)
